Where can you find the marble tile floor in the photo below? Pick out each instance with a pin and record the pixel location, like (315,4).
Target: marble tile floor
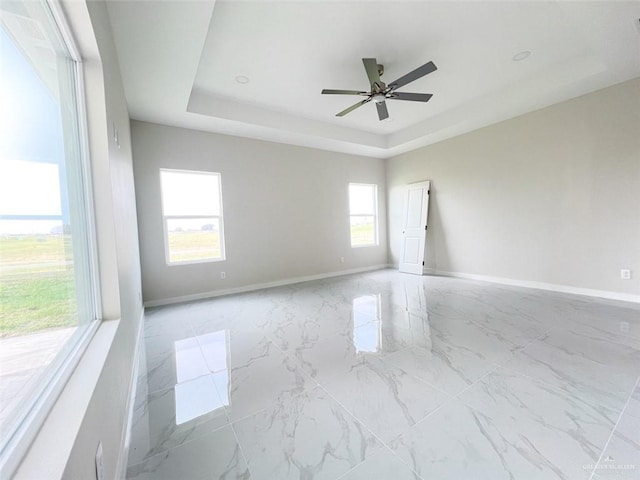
(383,375)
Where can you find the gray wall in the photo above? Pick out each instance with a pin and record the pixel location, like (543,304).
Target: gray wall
(285,209)
(118,244)
(552,196)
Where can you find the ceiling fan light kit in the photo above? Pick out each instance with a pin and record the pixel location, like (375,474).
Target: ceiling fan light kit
(380,92)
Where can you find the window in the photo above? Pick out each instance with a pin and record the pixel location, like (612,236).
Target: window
(192,216)
(363,209)
(48,300)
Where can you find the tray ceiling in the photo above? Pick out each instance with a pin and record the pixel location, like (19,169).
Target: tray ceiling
(183,64)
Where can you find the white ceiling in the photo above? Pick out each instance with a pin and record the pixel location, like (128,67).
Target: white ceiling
(180,59)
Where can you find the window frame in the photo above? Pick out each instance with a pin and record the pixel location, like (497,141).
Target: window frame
(41,401)
(376,241)
(166,218)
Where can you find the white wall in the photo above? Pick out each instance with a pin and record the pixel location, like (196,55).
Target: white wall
(285,209)
(118,243)
(552,196)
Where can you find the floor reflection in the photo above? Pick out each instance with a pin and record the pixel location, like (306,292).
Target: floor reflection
(202,375)
(367,324)
(195,398)
(387,323)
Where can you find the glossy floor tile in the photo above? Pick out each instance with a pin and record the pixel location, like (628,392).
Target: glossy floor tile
(385,398)
(384,465)
(307,436)
(215,455)
(389,376)
(621,457)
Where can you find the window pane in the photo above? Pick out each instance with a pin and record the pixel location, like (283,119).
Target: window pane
(29,188)
(362,199)
(193,239)
(46,283)
(38,309)
(190,193)
(363,230)
(36,274)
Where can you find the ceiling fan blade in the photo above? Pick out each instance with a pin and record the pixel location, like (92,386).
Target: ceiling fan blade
(383,113)
(352,107)
(371,66)
(328,91)
(414,97)
(419,72)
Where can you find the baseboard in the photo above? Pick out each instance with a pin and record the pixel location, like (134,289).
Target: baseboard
(625,297)
(259,286)
(125,440)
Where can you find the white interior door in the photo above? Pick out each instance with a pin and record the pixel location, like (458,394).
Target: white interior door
(414,232)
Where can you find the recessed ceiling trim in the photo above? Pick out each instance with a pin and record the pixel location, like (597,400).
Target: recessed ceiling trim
(170,78)
(227,109)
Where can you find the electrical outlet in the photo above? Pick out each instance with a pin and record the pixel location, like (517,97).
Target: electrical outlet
(223,275)
(625,274)
(100,463)
(341,259)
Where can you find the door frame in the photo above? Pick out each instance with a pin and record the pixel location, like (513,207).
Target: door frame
(415,268)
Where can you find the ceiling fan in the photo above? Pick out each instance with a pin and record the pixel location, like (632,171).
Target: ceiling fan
(381,92)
